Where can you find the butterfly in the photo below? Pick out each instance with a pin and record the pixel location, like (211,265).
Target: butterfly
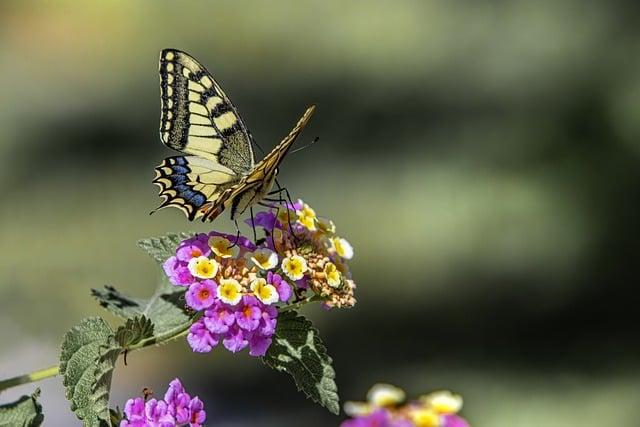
(218,170)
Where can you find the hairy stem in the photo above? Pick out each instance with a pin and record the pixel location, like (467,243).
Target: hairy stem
(38,375)
(52,371)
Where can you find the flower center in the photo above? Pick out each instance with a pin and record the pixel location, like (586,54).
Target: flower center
(247,312)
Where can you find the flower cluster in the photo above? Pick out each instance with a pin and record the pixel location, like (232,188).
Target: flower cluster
(236,285)
(176,409)
(313,256)
(386,406)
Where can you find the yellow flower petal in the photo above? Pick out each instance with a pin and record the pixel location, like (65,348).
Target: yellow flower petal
(307,217)
(443,402)
(357,409)
(385,395)
(424,417)
(222,247)
(229,291)
(294,267)
(264,258)
(264,292)
(342,247)
(203,267)
(334,278)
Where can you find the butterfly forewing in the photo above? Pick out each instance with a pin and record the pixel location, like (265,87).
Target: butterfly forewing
(197,116)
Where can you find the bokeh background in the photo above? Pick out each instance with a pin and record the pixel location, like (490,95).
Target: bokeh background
(482,157)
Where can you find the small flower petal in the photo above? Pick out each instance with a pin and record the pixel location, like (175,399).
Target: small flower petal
(268,294)
(385,395)
(334,278)
(203,267)
(264,258)
(443,402)
(342,247)
(222,247)
(229,291)
(294,267)
(201,295)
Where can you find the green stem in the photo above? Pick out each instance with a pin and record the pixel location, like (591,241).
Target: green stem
(38,375)
(52,371)
(297,305)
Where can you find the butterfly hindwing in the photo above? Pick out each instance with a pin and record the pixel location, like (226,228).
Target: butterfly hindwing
(197,116)
(190,183)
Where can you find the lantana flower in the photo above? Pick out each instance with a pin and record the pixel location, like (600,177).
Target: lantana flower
(307,217)
(264,258)
(221,246)
(265,292)
(342,247)
(203,267)
(176,409)
(334,278)
(294,267)
(386,406)
(239,286)
(201,295)
(229,291)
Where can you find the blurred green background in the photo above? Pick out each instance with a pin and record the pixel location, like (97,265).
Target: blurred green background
(482,157)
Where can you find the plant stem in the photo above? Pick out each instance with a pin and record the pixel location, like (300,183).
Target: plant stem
(38,375)
(52,371)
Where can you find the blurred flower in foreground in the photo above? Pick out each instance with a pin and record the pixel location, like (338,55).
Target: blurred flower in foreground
(386,407)
(239,286)
(176,409)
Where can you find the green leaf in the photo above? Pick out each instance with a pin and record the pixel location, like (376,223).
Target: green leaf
(116,416)
(134,331)
(88,356)
(161,248)
(165,309)
(24,412)
(298,350)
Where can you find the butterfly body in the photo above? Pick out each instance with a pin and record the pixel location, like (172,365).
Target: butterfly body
(218,170)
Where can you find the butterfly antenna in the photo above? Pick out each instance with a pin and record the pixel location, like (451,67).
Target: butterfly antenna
(306,146)
(253,225)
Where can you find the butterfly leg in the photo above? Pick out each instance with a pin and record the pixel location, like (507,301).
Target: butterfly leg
(235,221)
(286,191)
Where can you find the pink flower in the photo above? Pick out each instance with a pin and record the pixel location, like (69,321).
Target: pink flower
(201,295)
(283,288)
(234,340)
(200,338)
(177,409)
(192,248)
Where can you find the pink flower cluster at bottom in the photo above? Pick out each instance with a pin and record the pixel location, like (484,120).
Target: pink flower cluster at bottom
(176,409)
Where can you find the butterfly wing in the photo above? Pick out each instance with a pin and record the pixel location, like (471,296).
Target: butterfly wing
(198,119)
(254,187)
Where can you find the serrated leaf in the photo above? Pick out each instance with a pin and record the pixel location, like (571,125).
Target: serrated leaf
(87,359)
(298,350)
(165,309)
(161,248)
(24,412)
(116,416)
(133,331)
